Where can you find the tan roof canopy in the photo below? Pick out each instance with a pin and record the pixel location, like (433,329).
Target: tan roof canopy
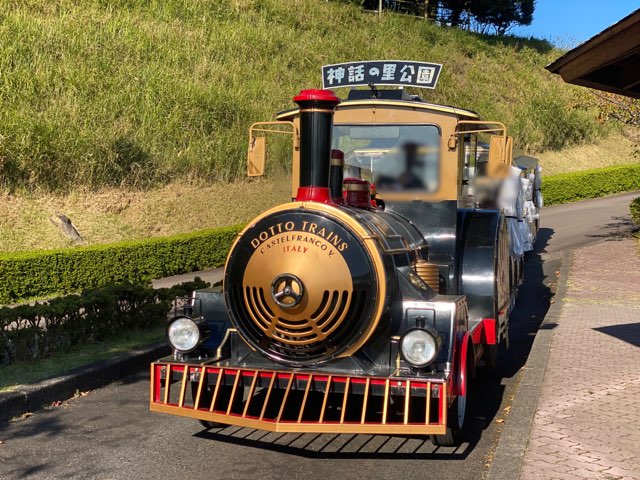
(610,61)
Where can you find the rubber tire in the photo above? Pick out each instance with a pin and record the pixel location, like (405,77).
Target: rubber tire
(209,425)
(491,357)
(456,433)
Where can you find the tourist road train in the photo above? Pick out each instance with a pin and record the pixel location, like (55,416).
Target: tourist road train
(368,302)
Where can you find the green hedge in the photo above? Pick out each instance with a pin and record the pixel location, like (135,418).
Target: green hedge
(574,186)
(31,332)
(634,208)
(53,272)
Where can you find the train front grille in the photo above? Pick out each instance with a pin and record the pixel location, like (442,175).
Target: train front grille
(301,339)
(299,402)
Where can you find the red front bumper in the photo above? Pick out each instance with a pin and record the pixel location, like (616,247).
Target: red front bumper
(287,401)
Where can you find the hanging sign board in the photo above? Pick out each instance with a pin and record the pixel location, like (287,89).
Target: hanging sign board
(381,72)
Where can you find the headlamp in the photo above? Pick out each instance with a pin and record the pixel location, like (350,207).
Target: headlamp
(185,334)
(419,347)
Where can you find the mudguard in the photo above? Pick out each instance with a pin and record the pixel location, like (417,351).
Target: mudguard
(483,263)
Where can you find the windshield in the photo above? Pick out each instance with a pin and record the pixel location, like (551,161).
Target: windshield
(394,157)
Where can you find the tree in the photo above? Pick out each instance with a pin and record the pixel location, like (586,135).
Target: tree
(483,16)
(501,15)
(454,12)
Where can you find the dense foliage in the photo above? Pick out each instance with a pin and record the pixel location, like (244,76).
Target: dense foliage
(477,15)
(634,208)
(570,187)
(53,272)
(486,15)
(31,332)
(140,93)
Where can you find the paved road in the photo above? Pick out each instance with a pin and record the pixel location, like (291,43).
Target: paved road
(581,223)
(110,434)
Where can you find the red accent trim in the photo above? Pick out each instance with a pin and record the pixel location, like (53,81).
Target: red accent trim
(223,409)
(316,95)
(461,383)
(314,194)
(157,382)
(489,329)
(485,332)
(357,198)
(337,153)
(232,372)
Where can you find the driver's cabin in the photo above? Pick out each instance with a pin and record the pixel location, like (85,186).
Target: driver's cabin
(408,148)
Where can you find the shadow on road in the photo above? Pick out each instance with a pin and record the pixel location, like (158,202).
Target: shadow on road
(532,304)
(628,332)
(333,446)
(619,228)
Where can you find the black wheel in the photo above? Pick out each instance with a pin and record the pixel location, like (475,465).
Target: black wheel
(490,357)
(209,425)
(457,414)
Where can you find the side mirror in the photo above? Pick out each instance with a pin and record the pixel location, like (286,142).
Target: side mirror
(500,151)
(509,151)
(256,156)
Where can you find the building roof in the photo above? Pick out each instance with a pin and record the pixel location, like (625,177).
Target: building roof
(610,61)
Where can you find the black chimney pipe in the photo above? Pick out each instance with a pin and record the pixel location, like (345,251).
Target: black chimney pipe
(316,122)
(336,174)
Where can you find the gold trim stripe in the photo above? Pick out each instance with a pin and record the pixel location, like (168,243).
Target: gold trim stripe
(344,399)
(183,387)
(310,427)
(428,408)
(316,110)
(356,187)
(286,396)
(445,405)
(304,399)
(167,384)
(152,390)
(217,389)
(385,405)
(326,397)
(266,399)
(252,389)
(203,373)
(365,400)
(233,390)
(407,397)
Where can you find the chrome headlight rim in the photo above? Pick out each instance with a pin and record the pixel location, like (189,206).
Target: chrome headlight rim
(197,326)
(437,341)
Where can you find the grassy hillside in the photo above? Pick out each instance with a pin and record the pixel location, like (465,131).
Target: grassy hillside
(115,214)
(140,93)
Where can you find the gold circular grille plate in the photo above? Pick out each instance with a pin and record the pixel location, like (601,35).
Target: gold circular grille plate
(327,290)
(254,307)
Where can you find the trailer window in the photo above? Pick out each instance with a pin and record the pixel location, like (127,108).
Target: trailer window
(394,157)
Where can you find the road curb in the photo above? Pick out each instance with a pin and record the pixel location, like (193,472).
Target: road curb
(35,396)
(512,445)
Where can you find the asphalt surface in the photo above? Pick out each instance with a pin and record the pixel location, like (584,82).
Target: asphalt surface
(577,224)
(109,433)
